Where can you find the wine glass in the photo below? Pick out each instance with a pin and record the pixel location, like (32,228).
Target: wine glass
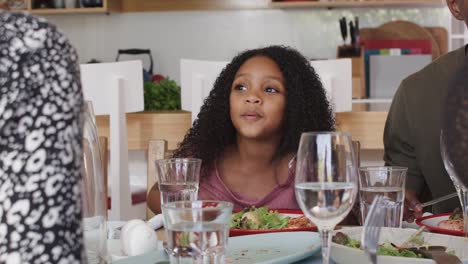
(461,189)
(326,181)
(94,200)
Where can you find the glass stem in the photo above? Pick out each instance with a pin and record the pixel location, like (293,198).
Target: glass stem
(464,203)
(325,236)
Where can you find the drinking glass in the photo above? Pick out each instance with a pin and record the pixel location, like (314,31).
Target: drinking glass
(461,189)
(389,182)
(197,231)
(93,193)
(178,179)
(326,181)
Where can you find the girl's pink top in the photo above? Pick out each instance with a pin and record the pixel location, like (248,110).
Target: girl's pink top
(281,197)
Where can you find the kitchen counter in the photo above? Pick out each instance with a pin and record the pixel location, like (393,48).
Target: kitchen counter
(365,123)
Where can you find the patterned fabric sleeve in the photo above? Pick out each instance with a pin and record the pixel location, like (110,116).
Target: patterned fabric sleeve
(40,144)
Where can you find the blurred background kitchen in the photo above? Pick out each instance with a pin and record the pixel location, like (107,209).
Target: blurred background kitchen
(217,30)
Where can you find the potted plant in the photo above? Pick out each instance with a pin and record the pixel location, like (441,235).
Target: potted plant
(162,94)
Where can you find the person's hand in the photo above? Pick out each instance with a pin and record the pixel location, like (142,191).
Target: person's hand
(412,206)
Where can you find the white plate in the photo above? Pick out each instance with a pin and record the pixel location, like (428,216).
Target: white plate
(270,248)
(432,224)
(342,254)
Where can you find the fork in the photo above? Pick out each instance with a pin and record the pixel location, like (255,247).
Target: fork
(372,226)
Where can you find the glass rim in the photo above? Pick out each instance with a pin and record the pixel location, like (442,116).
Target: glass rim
(326,132)
(181,160)
(388,168)
(220,205)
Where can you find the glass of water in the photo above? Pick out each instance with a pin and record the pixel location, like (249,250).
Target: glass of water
(326,181)
(197,231)
(178,179)
(387,181)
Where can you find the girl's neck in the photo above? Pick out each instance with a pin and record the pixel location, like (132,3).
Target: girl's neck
(261,153)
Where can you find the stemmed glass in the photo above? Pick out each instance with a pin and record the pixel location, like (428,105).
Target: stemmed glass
(326,181)
(461,189)
(93,193)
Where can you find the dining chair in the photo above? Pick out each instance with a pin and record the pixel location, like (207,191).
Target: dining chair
(157,149)
(197,78)
(104,163)
(357,152)
(116,89)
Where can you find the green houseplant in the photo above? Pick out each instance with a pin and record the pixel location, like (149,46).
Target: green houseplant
(162,95)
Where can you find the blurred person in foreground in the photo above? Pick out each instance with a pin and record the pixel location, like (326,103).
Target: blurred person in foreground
(40,144)
(412,130)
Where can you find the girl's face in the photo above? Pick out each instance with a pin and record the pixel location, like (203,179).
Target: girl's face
(258,99)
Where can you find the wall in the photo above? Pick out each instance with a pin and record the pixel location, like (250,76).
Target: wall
(219,35)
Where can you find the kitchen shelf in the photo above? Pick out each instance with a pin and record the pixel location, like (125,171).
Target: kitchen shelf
(366,126)
(108,7)
(57,11)
(459,36)
(191,5)
(369,3)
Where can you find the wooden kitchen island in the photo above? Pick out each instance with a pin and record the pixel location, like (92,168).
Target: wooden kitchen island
(364,124)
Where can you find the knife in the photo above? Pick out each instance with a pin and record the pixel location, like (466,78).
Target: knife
(352,33)
(356,29)
(343,29)
(440,199)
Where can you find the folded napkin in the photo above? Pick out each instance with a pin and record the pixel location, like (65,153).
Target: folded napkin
(138,237)
(156,221)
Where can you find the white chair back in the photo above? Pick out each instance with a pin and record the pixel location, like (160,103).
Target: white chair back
(116,89)
(197,79)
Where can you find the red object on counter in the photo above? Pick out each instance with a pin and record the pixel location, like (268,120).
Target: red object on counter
(157,78)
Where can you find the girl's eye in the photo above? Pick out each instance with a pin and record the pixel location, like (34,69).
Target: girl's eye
(270,90)
(240,87)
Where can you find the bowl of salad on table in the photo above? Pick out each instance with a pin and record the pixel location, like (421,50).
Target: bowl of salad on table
(396,245)
(253,220)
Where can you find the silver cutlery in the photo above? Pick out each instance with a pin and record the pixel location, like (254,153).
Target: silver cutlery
(440,199)
(372,226)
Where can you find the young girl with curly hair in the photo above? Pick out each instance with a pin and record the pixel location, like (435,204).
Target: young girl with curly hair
(248,129)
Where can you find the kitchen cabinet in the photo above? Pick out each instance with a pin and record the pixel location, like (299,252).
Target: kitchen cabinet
(191,5)
(143,126)
(357,3)
(108,6)
(171,5)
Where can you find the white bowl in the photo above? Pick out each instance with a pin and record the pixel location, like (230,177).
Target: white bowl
(346,255)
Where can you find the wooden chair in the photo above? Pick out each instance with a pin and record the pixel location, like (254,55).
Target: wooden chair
(357,152)
(104,161)
(157,149)
(137,197)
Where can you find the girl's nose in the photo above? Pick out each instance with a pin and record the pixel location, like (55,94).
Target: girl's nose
(252,98)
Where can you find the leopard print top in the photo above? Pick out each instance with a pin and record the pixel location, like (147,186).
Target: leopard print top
(40,144)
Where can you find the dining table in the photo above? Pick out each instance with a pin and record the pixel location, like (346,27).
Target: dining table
(159,256)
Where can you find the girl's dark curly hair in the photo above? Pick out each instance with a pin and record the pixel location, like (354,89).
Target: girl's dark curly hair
(307,108)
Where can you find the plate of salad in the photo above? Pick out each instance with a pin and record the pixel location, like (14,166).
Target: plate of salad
(253,220)
(346,246)
(448,223)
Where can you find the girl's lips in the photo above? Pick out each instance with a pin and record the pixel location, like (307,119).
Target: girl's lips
(251,116)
